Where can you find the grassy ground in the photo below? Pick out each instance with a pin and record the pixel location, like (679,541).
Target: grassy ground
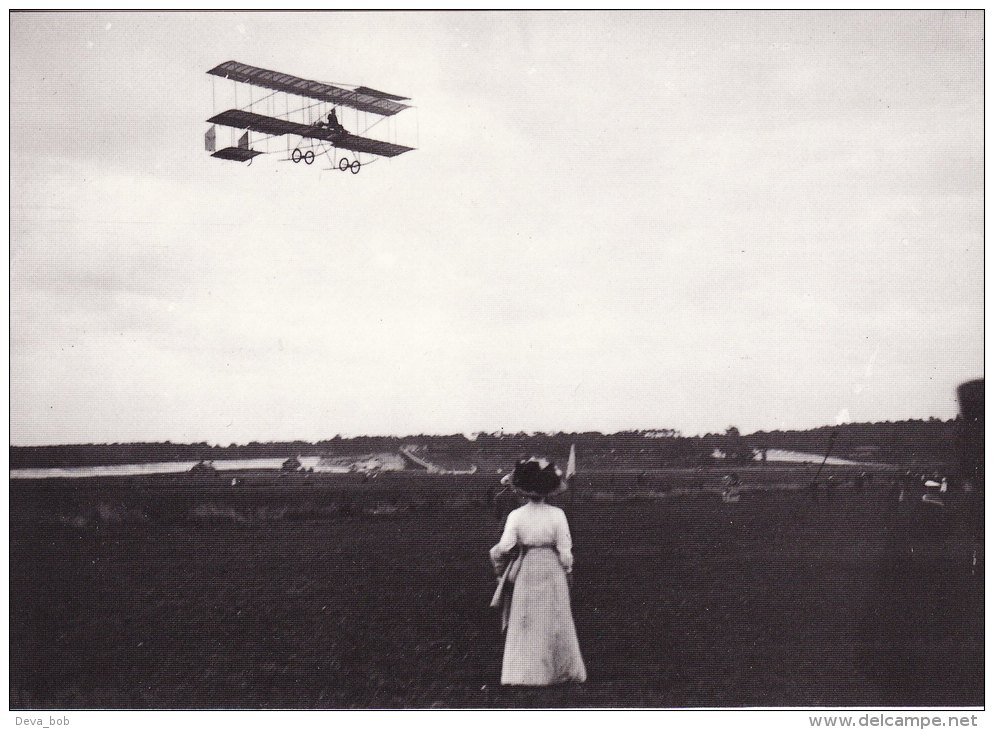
(158,593)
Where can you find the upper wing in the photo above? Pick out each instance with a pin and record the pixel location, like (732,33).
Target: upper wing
(363,99)
(269,125)
(380,94)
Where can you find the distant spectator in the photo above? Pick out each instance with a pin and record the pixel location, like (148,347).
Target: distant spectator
(731,483)
(504,500)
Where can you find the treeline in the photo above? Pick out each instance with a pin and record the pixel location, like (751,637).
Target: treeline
(902,442)
(898,442)
(24,457)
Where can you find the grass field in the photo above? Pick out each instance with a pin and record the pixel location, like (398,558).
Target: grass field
(159,593)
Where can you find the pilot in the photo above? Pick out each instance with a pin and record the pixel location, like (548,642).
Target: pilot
(333,124)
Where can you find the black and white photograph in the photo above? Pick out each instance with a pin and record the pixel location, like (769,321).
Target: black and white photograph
(497,360)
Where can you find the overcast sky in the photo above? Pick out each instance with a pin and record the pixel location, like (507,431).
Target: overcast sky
(681,220)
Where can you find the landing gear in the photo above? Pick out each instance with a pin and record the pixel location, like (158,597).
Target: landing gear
(355,167)
(344,165)
(307,157)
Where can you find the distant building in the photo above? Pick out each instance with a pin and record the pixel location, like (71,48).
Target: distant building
(866,452)
(204,468)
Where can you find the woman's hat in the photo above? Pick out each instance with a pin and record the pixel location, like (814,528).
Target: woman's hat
(536,477)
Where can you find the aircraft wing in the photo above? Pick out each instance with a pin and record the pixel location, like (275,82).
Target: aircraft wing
(362,98)
(240,119)
(236,154)
(356,143)
(380,94)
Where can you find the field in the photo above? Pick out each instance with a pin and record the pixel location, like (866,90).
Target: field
(162,592)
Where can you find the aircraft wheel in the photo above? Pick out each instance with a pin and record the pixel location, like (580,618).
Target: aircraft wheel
(355,167)
(343,164)
(296,155)
(309,156)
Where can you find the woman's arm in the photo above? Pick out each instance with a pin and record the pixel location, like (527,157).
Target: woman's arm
(564,542)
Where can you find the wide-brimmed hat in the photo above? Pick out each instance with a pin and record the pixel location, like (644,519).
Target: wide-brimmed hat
(536,477)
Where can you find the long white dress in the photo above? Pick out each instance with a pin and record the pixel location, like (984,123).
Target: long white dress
(541,647)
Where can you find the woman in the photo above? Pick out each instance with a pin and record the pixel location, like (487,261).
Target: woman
(541,646)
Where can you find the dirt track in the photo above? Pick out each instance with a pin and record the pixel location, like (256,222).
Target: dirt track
(324,598)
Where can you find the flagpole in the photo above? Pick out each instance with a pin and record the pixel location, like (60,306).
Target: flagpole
(828,451)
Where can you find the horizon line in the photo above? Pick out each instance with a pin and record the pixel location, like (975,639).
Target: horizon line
(475,434)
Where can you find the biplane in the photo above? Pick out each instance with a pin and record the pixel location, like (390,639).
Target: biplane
(313,101)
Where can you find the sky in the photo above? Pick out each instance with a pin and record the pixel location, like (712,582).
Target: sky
(612,220)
